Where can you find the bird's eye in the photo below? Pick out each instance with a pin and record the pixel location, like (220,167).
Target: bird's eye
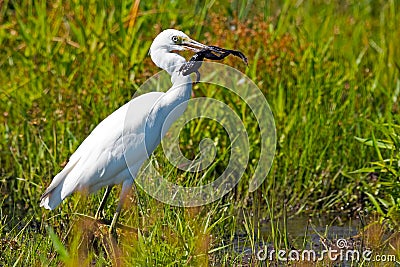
(175,39)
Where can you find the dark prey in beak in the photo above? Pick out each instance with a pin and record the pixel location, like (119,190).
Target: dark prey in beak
(210,52)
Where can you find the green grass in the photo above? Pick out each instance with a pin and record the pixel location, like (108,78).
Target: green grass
(329,70)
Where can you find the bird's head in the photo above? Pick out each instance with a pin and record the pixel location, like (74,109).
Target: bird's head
(174,40)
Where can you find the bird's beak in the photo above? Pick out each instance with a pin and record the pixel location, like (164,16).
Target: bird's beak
(193,45)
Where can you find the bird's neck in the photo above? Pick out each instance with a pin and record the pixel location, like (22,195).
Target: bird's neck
(168,61)
(175,99)
(181,89)
(172,104)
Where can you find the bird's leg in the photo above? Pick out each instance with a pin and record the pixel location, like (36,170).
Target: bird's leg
(126,187)
(138,199)
(103,202)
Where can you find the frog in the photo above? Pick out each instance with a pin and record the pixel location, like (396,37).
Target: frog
(210,52)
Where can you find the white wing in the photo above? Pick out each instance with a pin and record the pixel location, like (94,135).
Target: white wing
(100,159)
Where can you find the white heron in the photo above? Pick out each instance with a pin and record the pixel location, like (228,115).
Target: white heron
(101,158)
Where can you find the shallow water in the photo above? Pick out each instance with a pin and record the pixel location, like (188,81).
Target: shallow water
(303,233)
